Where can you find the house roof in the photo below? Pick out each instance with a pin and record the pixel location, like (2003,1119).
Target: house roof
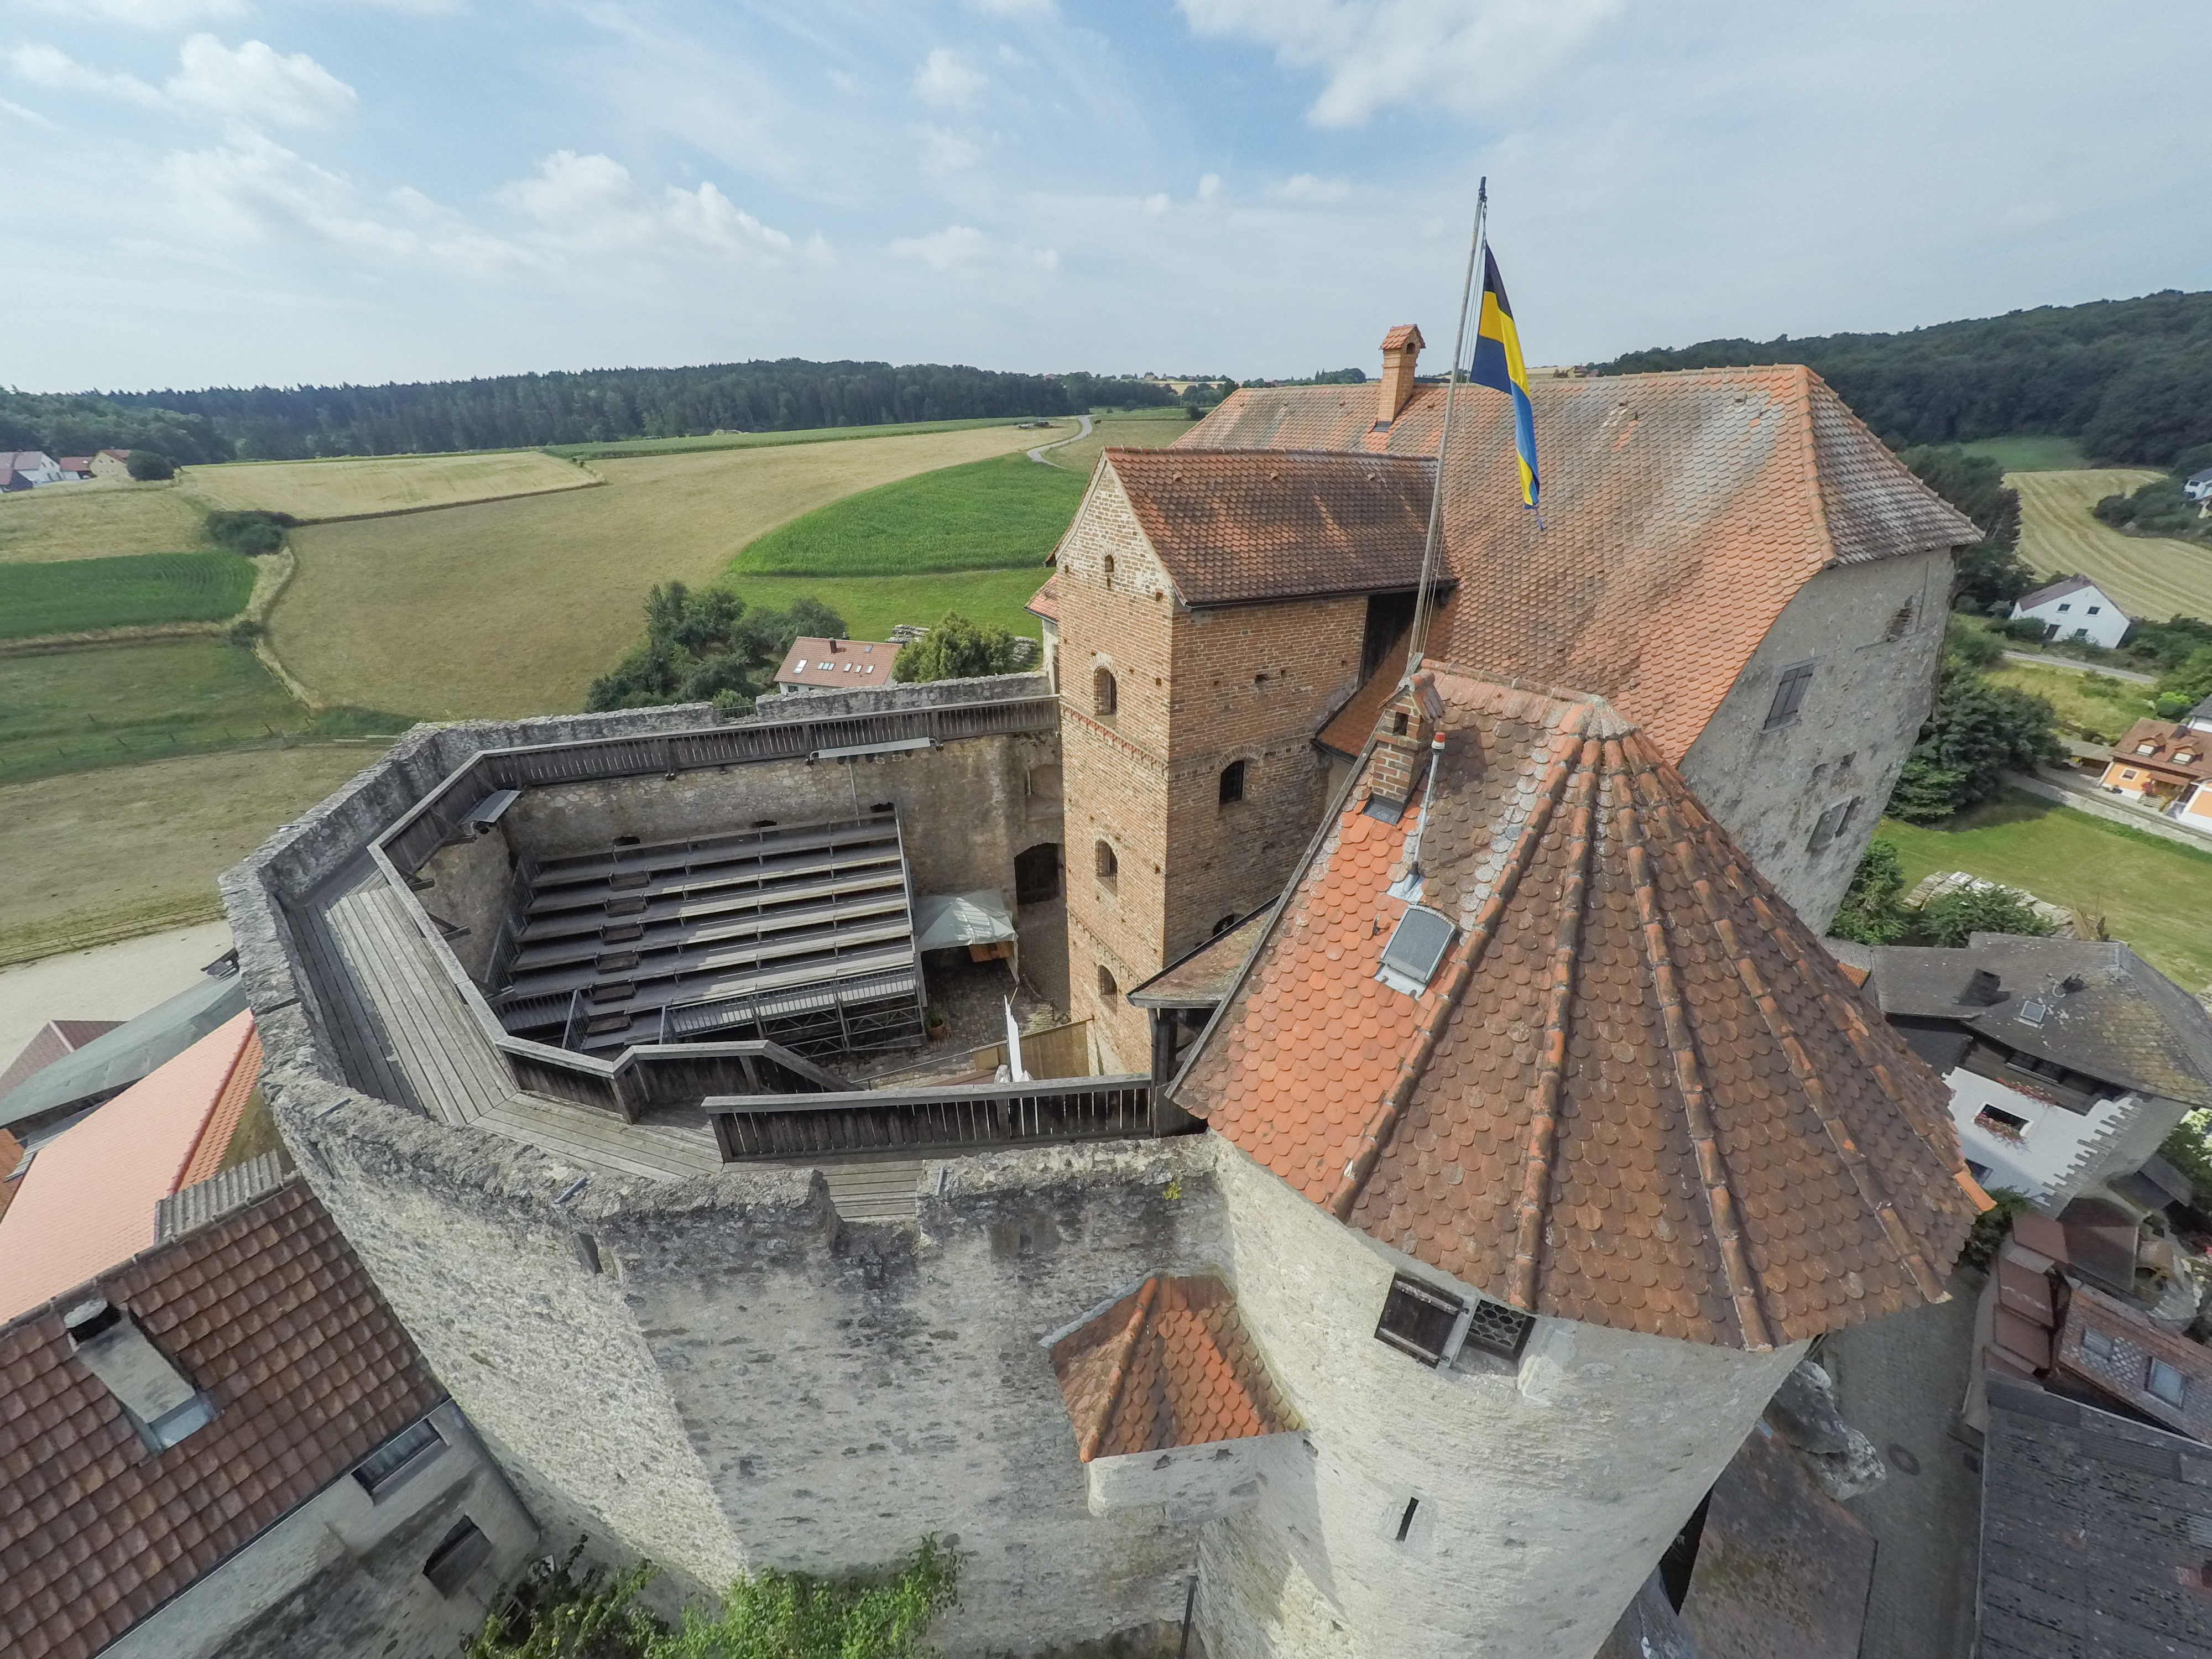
(269,1314)
(1201,978)
(844,664)
(1680,513)
(2089,1532)
(2168,741)
(2057,590)
(1232,527)
(2124,1022)
(1170,1364)
(1045,602)
(2123,1372)
(55,1038)
(120,1057)
(1635,1092)
(87,1202)
(1349,728)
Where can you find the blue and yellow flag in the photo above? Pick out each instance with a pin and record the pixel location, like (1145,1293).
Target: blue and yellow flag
(1497,363)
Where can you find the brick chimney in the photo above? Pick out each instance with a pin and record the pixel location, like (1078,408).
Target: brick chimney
(1402,351)
(1402,738)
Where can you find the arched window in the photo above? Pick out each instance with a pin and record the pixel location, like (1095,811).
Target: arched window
(1105,696)
(1232,782)
(1108,566)
(1106,986)
(1108,866)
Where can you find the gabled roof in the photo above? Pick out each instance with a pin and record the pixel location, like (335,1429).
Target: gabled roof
(1202,977)
(1634,1092)
(1405,334)
(1235,527)
(1045,602)
(2168,741)
(269,1313)
(88,1200)
(1170,1364)
(1680,513)
(2057,590)
(2124,1022)
(55,1038)
(2131,1340)
(844,664)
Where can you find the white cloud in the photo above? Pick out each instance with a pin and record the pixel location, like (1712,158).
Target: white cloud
(1157,204)
(17,112)
(257,82)
(591,204)
(1013,8)
(49,66)
(963,251)
(944,152)
(1305,187)
(1209,186)
(1462,54)
(946,81)
(147,14)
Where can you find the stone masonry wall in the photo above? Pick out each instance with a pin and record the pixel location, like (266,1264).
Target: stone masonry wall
(1546,1492)
(472,886)
(1869,693)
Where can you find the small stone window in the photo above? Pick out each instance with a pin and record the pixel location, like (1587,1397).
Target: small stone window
(1900,622)
(1833,822)
(1106,566)
(1105,696)
(459,1553)
(1496,1329)
(1110,867)
(1788,696)
(1232,783)
(2166,1382)
(1107,988)
(405,1454)
(1419,1320)
(2097,1344)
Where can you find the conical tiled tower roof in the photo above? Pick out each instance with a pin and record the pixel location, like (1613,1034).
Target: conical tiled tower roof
(1635,1091)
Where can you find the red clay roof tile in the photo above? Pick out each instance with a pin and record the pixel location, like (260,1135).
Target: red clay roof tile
(1637,1093)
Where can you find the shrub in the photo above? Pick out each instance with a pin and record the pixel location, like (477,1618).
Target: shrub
(149,465)
(1871,912)
(1991,1226)
(705,647)
(1974,735)
(248,530)
(2189,1148)
(956,649)
(2024,628)
(1951,919)
(244,631)
(1974,643)
(2190,679)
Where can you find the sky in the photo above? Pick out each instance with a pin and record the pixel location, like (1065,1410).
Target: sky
(278,191)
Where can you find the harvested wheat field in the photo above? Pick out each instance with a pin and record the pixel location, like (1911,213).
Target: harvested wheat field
(350,486)
(130,849)
(512,607)
(2152,578)
(96,521)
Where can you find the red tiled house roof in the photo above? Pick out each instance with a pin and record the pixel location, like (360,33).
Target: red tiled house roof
(1170,1364)
(2168,743)
(1636,1092)
(1045,602)
(1234,527)
(269,1314)
(1680,513)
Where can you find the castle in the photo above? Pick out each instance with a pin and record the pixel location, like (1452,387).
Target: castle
(1472,1132)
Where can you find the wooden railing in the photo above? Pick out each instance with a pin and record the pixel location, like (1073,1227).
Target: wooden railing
(964,1117)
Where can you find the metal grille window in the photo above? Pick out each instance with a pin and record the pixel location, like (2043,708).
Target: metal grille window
(398,1458)
(1789,696)
(1105,696)
(1232,783)
(1498,1329)
(1418,1319)
(1417,945)
(1109,867)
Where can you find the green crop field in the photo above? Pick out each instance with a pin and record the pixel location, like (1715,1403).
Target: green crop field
(1143,429)
(134,590)
(2153,894)
(872,605)
(988,515)
(512,607)
(2099,712)
(2151,577)
(348,486)
(2030,453)
(96,520)
(65,711)
(812,434)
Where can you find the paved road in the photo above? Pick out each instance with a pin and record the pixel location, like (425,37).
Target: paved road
(108,981)
(2042,661)
(1038,455)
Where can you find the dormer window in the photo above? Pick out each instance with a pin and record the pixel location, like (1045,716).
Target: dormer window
(2146,748)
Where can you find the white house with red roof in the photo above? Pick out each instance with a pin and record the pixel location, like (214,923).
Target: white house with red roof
(2073,608)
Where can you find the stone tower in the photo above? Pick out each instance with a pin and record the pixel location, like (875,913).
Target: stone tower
(1553,1137)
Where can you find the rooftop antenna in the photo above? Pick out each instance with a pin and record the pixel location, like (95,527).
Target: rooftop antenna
(1417,637)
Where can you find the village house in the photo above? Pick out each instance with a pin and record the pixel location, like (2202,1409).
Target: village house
(2166,766)
(835,665)
(26,469)
(2073,608)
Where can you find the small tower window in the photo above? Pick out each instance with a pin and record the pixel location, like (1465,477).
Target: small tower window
(1107,565)
(1496,1329)
(1105,696)
(1232,783)
(1107,988)
(1788,696)
(1419,1320)
(1108,866)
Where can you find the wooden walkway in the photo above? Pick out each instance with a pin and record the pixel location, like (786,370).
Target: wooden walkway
(403,1035)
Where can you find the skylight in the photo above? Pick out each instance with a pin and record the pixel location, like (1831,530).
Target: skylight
(2033,1012)
(1417,945)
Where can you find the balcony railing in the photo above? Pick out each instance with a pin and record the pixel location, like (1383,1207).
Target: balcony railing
(964,1117)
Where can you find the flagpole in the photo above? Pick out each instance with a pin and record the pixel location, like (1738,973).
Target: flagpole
(1417,637)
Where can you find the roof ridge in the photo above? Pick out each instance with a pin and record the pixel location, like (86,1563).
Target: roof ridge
(1117,1377)
(1689,1071)
(1802,396)
(1872,1193)
(1543,1136)
(1376,1134)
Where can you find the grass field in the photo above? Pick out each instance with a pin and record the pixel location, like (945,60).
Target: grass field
(812,434)
(2075,698)
(96,521)
(986,515)
(130,591)
(67,710)
(2155,894)
(872,605)
(2031,453)
(130,849)
(512,607)
(1144,429)
(347,487)
(2151,577)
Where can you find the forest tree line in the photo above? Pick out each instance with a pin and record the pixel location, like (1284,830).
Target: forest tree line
(2130,381)
(519,411)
